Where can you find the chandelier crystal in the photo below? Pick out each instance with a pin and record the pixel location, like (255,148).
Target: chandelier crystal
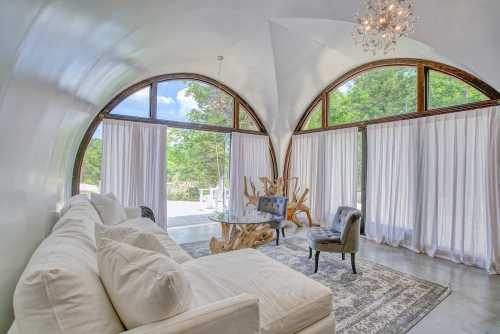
(385,22)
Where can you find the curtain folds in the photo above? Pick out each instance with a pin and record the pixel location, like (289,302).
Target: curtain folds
(134,165)
(433,186)
(250,157)
(326,163)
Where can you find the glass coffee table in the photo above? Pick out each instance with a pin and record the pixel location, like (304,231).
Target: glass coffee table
(248,231)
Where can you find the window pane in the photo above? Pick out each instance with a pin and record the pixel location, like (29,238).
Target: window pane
(378,93)
(90,179)
(445,91)
(194,102)
(246,121)
(136,104)
(314,120)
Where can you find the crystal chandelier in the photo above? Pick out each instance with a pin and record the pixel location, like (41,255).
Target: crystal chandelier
(384,23)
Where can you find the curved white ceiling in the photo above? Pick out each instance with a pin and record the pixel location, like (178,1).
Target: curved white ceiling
(62,61)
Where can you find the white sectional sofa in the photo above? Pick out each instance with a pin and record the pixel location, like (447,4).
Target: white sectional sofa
(238,292)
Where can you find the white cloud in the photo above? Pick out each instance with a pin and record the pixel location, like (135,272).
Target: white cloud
(141,95)
(165,100)
(186,101)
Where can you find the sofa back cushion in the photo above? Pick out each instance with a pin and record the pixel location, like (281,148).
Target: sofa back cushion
(109,209)
(144,286)
(131,236)
(177,253)
(60,290)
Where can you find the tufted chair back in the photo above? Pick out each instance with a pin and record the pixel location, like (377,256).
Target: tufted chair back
(275,205)
(347,222)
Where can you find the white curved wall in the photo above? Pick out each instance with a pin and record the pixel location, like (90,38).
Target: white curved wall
(62,61)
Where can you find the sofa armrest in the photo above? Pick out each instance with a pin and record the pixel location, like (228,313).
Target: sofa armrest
(132,213)
(238,314)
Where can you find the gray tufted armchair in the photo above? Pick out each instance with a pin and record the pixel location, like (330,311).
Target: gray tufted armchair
(342,236)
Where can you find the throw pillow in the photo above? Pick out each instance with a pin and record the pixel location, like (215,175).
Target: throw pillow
(143,286)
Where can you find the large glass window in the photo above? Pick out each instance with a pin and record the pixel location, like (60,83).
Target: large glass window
(136,105)
(90,177)
(194,101)
(246,121)
(374,94)
(315,118)
(446,91)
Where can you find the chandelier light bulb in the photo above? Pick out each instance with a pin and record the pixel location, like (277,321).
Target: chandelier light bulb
(383,24)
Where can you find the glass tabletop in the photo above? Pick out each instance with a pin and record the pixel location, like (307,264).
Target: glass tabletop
(254,218)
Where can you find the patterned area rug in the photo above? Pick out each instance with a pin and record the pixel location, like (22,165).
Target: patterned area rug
(376,300)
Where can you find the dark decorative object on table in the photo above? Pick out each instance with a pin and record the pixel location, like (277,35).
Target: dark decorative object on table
(147,213)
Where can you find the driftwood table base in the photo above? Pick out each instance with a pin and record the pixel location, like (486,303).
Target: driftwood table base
(239,236)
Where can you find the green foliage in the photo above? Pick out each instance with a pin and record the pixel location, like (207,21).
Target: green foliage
(91,168)
(374,94)
(214,106)
(246,121)
(315,119)
(199,159)
(446,91)
(196,160)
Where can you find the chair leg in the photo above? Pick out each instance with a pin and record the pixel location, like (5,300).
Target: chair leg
(277,237)
(343,256)
(283,232)
(316,260)
(353,263)
(310,252)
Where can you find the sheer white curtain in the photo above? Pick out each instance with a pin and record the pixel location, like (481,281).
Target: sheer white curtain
(134,164)
(250,157)
(433,186)
(326,163)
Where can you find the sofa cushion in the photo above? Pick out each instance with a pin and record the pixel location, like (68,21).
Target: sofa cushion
(288,300)
(129,235)
(60,290)
(109,209)
(77,207)
(175,252)
(144,286)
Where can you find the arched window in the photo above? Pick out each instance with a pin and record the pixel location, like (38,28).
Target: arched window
(390,90)
(394,89)
(193,107)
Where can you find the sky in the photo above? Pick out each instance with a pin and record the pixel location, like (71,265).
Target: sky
(172,101)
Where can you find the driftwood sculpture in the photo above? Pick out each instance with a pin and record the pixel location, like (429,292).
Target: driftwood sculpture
(238,236)
(253,198)
(297,203)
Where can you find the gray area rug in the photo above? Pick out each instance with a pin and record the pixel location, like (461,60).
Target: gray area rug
(376,300)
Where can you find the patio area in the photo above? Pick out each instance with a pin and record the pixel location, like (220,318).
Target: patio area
(182,214)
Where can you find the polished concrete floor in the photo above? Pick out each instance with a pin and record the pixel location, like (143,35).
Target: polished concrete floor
(473,306)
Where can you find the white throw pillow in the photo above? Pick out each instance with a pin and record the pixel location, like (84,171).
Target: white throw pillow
(143,286)
(129,235)
(110,210)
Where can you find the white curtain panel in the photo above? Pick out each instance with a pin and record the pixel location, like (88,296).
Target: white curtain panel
(250,157)
(433,186)
(134,165)
(326,163)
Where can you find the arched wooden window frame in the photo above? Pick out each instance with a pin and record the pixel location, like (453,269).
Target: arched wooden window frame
(423,67)
(153,84)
